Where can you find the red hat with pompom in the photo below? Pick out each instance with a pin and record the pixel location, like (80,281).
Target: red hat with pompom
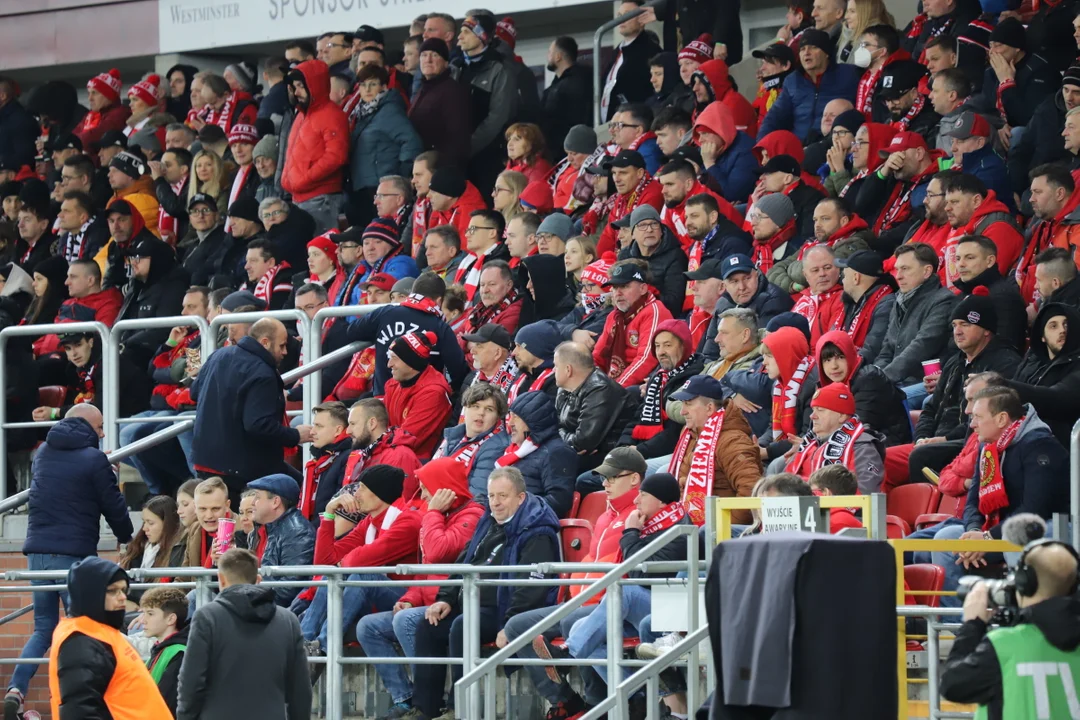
(146,90)
(506,31)
(414,349)
(700,50)
(597,272)
(108,84)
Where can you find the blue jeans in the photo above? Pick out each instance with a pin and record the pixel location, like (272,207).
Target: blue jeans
(916,395)
(376,635)
(46,616)
(405,623)
(927,533)
(356,602)
(162,466)
(595,691)
(588,636)
(947,560)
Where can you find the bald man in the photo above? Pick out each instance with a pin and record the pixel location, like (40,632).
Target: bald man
(240,433)
(1031,669)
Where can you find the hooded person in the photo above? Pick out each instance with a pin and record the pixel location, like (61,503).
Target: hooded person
(93,670)
(712,83)
(548,297)
(126,233)
(788,362)
(534,351)
(537,450)
(179,105)
(730,162)
(784,142)
(672,92)
(1049,374)
(158,286)
(876,137)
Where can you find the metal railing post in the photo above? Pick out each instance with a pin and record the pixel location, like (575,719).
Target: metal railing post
(315,346)
(876,522)
(334,643)
(598,39)
(202,591)
(1074,484)
(470,594)
(934,652)
(694,577)
(614,598)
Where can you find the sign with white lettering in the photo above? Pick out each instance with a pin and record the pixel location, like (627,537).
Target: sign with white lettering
(189,25)
(792,513)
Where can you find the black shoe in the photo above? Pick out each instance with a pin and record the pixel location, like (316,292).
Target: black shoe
(638,707)
(546,651)
(13,705)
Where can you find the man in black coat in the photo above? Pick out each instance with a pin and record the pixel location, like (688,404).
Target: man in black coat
(626,80)
(657,245)
(976,265)
(1049,375)
(240,433)
(568,100)
(1017,79)
(245,655)
(171,177)
(18,129)
(908,109)
(1041,141)
(157,288)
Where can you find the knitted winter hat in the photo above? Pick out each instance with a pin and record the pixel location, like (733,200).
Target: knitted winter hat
(850,120)
(386,482)
(482,26)
(580,139)
(597,272)
(243,134)
(700,50)
(129,164)
(448,181)
(778,208)
(977,309)
(662,486)
(244,74)
(436,45)
(267,147)
(414,349)
(1072,76)
(324,243)
(1010,32)
(836,397)
(107,83)
(146,90)
(385,229)
(506,31)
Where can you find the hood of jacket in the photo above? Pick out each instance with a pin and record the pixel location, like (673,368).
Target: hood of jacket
(842,340)
(717,119)
(537,409)
(780,142)
(137,222)
(449,473)
(87,581)
(18,280)
(1031,423)
(853,225)
(250,603)
(990,204)
(533,513)
(1058,619)
(717,77)
(548,275)
(72,434)
(317,78)
(789,346)
(162,259)
(1072,339)
(670,62)
(879,136)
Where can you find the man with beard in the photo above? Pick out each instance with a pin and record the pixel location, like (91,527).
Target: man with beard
(417,395)
(623,349)
(1042,141)
(898,187)
(934,229)
(375,442)
(1047,376)
(678,184)
(1054,202)
(635,187)
(908,108)
(834,225)
(712,236)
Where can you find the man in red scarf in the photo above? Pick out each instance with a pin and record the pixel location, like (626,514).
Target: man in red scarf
(934,230)
(268,279)
(624,347)
(634,187)
(497,301)
(374,442)
(822,302)
(417,395)
(899,185)
(835,225)
(867,302)
(772,223)
(324,473)
(908,109)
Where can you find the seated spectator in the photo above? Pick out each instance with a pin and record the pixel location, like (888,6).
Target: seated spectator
(485,229)
(289,227)
(786,360)
(89,301)
(417,395)
(204,246)
(521,229)
(81,231)
(1017,79)
(526,151)
(106,111)
(624,347)
(725,162)
(442,251)
(490,347)
(211,505)
(738,338)
(157,289)
(1055,272)
(907,107)
(547,463)
(704,290)
(1026,471)
(324,473)
(375,442)
(1054,201)
(977,266)
(950,94)
(869,295)
(478,441)
(534,353)
(836,480)
(631,123)
(839,123)
(634,187)
(940,431)
(446,528)
(878,402)
(265,157)
(587,318)
(935,229)
(1047,373)
(772,224)
(870,139)
(383,253)
(548,293)
(497,301)
(744,287)
(887,198)
(1042,142)
(834,225)
(33,225)
(712,83)
(500,539)
(782,174)
(974,210)
(242,139)
(655,430)
(658,247)
(83,378)
(777,62)
(165,619)
(973,152)
(290,539)
(709,234)
(129,179)
(590,404)
(820,80)
(838,435)
(323,267)
(552,234)
(579,144)
(386,536)
(268,279)
(822,302)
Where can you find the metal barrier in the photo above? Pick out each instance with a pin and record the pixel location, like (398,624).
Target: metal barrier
(313,384)
(598,39)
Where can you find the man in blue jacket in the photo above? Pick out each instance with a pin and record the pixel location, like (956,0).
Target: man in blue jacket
(805,94)
(972,148)
(73,486)
(290,538)
(539,452)
(240,430)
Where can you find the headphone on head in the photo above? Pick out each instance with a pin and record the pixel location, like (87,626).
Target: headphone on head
(1025,577)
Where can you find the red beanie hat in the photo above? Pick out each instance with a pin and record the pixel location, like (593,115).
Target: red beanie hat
(108,84)
(836,397)
(700,50)
(537,195)
(597,272)
(146,90)
(243,134)
(681,330)
(414,349)
(328,246)
(506,31)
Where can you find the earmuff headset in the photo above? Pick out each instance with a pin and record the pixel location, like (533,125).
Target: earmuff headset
(1025,577)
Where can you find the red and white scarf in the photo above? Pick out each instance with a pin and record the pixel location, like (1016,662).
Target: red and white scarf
(420,213)
(641,140)
(992,496)
(785,398)
(864,96)
(916,108)
(468,273)
(423,304)
(237,185)
(809,304)
(515,452)
(764,251)
(699,479)
(313,472)
(669,516)
(482,314)
(535,386)
(167,223)
(501,379)
(615,361)
(623,205)
(268,285)
(222,118)
(839,447)
(468,447)
(859,326)
(653,415)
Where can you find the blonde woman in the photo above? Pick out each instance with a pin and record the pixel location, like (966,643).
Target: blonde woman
(506,194)
(860,15)
(208,178)
(580,251)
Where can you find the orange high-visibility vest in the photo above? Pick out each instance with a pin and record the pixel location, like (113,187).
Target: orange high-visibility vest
(132,694)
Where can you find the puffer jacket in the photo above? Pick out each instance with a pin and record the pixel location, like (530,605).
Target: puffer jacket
(73,486)
(143,199)
(667,266)
(483,462)
(551,469)
(801,101)
(290,541)
(919,329)
(735,169)
(1052,386)
(318,140)
(383,143)
(718,81)
(589,417)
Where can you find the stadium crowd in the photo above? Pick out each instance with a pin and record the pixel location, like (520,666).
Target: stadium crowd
(861,279)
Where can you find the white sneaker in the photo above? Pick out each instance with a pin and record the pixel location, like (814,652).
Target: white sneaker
(662,645)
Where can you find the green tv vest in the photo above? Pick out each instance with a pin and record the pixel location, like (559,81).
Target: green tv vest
(1039,681)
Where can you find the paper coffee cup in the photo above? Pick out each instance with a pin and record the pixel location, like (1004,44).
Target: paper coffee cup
(931,367)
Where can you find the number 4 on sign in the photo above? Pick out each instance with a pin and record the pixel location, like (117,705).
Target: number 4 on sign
(810,520)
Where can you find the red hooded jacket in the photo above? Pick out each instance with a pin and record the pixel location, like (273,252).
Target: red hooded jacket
(419,409)
(390,450)
(1062,231)
(94,125)
(785,142)
(606,534)
(675,218)
(719,79)
(458,214)
(318,141)
(1009,240)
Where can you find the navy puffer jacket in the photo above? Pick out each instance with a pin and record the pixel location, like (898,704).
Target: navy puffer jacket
(551,469)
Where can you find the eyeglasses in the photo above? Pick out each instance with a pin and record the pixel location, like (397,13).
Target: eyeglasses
(935,195)
(859,143)
(383,196)
(272,214)
(348,246)
(616,126)
(869,45)
(839,132)
(647,225)
(611,480)
(501,189)
(338,45)
(473,229)
(201,211)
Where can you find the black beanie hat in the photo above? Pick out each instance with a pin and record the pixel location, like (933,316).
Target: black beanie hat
(414,349)
(436,45)
(448,181)
(662,486)
(1010,32)
(386,482)
(977,309)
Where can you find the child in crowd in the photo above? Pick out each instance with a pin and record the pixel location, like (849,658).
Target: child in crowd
(165,618)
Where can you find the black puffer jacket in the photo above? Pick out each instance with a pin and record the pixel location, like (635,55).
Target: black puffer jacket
(576,320)
(768,302)
(1041,143)
(291,237)
(592,417)
(664,441)
(667,266)
(1052,386)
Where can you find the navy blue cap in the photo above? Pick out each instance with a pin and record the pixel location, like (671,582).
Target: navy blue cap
(737,263)
(701,386)
(279,484)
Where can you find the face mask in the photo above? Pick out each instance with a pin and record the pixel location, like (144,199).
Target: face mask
(593,301)
(862,57)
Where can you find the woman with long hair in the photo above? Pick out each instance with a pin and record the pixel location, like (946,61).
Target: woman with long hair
(159,542)
(506,194)
(580,252)
(185,503)
(526,151)
(860,15)
(50,292)
(208,178)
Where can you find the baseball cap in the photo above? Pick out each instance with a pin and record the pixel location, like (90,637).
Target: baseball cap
(701,386)
(623,459)
(966,125)
(866,262)
(711,268)
(780,163)
(904,140)
(353,235)
(203,199)
(279,484)
(67,141)
(899,77)
(491,332)
(113,138)
(737,263)
(382,281)
(628,158)
(777,51)
(816,38)
(625,274)
(367,33)
(622,223)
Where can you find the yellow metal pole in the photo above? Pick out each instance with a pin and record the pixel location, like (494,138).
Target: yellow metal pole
(901,641)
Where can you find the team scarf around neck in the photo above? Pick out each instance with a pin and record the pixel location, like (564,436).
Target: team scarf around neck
(265,287)
(898,206)
(466,450)
(313,472)
(222,118)
(809,305)
(482,314)
(839,447)
(238,184)
(420,213)
(859,326)
(764,251)
(535,386)
(699,479)
(625,204)
(593,302)
(74,243)
(785,398)
(992,496)
(167,223)
(423,304)
(515,452)
(669,516)
(864,96)
(615,361)
(468,274)
(653,413)
(501,379)
(87,392)
(916,108)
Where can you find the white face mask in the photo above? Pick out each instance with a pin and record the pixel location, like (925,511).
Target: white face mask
(862,57)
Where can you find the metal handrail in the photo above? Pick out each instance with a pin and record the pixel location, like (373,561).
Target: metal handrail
(312,368)
(314,385)
(468,682)
(598,39)
(1074,484)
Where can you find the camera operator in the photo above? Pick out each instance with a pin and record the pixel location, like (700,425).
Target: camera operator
(1029,670)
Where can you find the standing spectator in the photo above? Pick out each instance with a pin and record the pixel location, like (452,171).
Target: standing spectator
(129,179)
(318,147)
(239,429)
(172,178)
(18,130)
(627,80)
(73,486)
(275,101)
(290,539)
(417,395)
(157,288)
(566,102)
(948,17)
(165,619)
(244,654)
(106,111)
(81,232)
(440,110)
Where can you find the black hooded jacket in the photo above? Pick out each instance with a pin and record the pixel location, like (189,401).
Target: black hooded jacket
(160,295)
(553,300)
(178,106)
(291,237)
(1052,386)
(169,684)
(973,670)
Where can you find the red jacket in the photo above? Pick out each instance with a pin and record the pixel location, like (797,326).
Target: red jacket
(651,194)
(742,112)
(536,172)
(840,518)
(929,233)
(458,215)
(1009,240)
(389,450)
(640,333)
(606,534)
(318,141)
(675,218)
(102,306)
(420,409)
(960,470)
(94,125)
(396,530)
(822,312)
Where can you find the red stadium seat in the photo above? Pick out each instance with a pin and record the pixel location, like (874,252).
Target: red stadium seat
(908,502)
(52,395)
(896,528)
(926,577)
(947,507)
(592,507)
(576,537)
(574,504)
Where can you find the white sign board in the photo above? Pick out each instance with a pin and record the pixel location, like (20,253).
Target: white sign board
(189,25)
(791,513)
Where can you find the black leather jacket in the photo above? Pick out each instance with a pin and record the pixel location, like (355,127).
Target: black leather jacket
(592,417)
